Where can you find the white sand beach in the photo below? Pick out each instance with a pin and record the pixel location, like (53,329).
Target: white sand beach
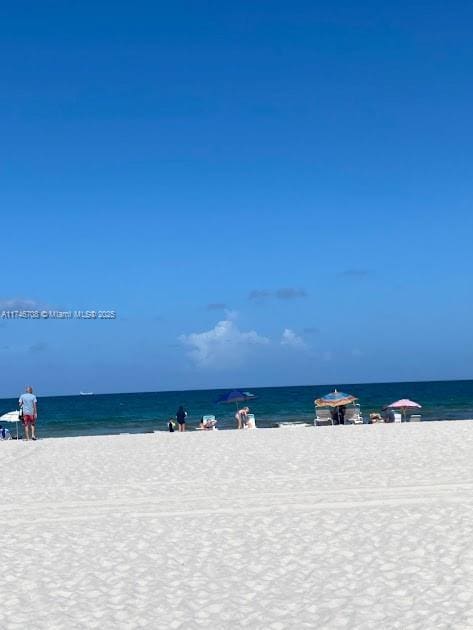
(333,527)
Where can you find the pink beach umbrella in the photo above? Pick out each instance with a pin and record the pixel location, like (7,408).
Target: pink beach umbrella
(404,404)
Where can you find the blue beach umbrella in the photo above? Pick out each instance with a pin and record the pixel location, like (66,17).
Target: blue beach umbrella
(235,396)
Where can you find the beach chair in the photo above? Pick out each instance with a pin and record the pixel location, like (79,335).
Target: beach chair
(353,415)
(323,417)
(250,421)
(416,417)
(398,417)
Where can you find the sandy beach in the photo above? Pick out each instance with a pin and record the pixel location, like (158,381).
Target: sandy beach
(335,527)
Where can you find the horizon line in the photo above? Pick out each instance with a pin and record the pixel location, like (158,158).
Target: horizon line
(211,389)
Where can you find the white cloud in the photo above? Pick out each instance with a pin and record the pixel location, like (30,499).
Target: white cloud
(17,304)
(290,339)
(223,345)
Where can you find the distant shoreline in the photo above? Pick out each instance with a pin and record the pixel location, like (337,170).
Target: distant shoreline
(192,430)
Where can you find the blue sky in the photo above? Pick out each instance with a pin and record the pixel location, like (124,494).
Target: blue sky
(266,193)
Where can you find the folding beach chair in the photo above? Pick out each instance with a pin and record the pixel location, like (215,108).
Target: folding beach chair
(353,415)
(250,421)
(323,417)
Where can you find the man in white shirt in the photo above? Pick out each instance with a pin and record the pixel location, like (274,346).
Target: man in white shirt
(28,405)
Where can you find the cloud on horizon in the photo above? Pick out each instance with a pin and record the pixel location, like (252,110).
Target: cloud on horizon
(224,345)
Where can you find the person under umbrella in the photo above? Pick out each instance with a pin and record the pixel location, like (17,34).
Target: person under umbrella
(11,416)
(404,404)
(236,396)
(4,433)
(337,401)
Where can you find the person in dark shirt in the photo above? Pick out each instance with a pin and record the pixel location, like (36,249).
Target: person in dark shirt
(338,415)
(181,416)
(4,433)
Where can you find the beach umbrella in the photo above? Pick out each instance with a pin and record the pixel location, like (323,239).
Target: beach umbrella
(11,416)
(335,399)
(235,396)
(403,405)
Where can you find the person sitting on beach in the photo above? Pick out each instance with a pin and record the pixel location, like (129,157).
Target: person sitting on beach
(207,425)
(171,425)
(375,417)
(241,417)
(4,433)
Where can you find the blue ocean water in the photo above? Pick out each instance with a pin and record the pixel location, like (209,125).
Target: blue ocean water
(143,412)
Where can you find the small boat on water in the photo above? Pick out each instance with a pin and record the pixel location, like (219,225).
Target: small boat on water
(86,393)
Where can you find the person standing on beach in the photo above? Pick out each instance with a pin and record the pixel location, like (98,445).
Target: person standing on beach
(241,417)
(338,415)
(181,416)
(28,405)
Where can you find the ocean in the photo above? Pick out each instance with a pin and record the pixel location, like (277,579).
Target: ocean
(105,414)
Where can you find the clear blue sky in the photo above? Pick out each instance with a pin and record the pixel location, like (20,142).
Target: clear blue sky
(265,192)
